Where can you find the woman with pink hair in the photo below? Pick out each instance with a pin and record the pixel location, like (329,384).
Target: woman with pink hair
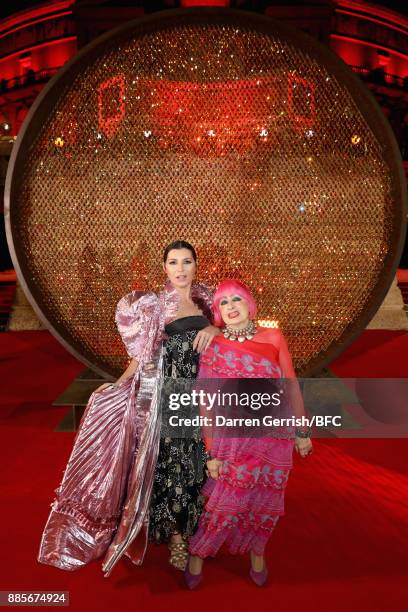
(245,492)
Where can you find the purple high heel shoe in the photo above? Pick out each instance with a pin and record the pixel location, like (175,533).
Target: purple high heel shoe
(192,580)
(259,577)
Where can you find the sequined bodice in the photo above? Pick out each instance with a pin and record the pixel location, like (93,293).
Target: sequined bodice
(180,359)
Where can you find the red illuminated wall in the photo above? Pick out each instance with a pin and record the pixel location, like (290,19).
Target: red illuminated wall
(371,37)
(34,44)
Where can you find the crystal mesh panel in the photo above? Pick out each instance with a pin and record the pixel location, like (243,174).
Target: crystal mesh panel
(232,139)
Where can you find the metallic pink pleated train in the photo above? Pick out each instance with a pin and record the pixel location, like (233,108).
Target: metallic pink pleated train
(102,504)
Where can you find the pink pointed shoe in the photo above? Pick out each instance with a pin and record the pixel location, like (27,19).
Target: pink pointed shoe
(192,580)
(259,577)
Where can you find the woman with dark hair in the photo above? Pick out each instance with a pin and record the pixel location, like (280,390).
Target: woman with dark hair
(124,482)
(248,475)
(176,502)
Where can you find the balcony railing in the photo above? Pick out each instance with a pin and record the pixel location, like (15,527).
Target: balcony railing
(29,78)
(379,77)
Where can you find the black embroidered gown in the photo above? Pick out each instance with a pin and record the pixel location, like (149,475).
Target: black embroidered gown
(176,502)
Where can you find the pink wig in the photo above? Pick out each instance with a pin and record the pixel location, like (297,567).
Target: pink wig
(227,287)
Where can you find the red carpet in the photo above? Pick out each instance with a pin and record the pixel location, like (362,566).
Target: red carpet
(342,544)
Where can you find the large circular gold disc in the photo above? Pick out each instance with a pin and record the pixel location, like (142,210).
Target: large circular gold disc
(227,129)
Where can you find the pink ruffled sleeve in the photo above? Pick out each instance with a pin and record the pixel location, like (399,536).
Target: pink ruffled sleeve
(137,322)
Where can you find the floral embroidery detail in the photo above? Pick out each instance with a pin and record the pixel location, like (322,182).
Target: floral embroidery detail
(230,358)
(247,360)
(244,366)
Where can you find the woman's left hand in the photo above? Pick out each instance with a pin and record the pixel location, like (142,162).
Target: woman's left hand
(204,338)
(213,468)
(303,446)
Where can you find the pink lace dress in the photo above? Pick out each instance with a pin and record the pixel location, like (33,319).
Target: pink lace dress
(244,504)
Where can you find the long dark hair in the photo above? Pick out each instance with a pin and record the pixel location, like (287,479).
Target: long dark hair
(179,244)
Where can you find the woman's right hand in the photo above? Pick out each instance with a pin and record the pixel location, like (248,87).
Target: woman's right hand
(102,387)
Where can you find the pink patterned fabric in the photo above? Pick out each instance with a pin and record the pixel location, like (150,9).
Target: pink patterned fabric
(244,504)
(136,317)
(101,505)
